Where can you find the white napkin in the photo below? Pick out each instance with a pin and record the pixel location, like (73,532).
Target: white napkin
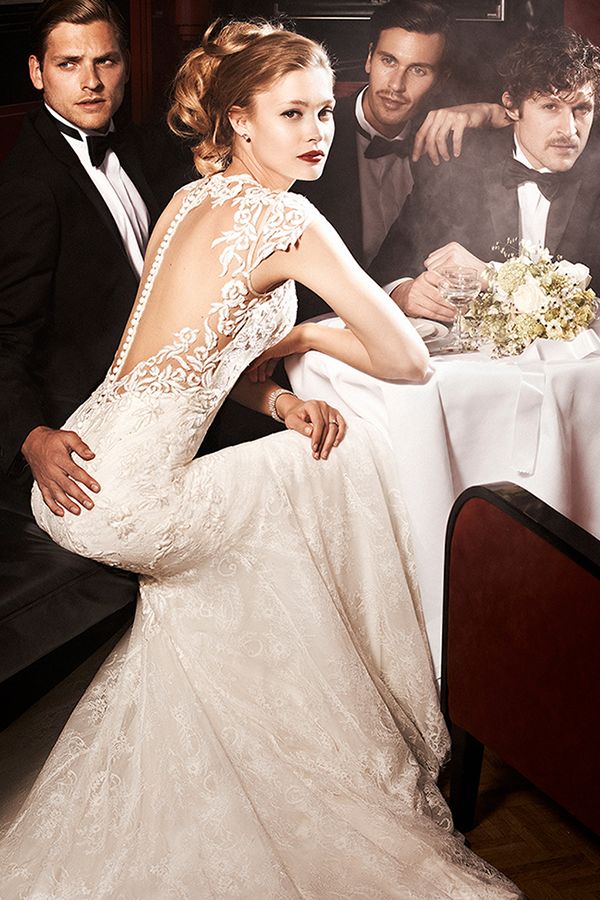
(585,344)
(531,391)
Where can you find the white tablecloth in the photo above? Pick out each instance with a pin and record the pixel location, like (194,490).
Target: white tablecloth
(532,421)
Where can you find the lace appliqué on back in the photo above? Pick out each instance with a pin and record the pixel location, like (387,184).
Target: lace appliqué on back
(263,221)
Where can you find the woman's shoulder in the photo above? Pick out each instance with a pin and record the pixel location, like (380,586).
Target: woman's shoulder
(289,209)
(263,219)
(251,192)
(267,209)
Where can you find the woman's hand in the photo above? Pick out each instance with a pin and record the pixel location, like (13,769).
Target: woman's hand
(297,341)
(322,423)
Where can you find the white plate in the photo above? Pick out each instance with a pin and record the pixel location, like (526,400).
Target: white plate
(428,330)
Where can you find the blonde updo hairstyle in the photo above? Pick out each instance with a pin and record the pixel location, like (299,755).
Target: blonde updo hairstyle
(233,63)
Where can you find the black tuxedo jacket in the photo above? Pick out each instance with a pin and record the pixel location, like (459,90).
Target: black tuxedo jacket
(66,285)
(466,201)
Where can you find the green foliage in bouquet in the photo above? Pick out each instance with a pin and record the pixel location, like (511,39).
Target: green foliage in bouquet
(529,296)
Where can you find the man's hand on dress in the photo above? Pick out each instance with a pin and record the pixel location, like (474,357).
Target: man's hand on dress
(322,423)
(48,453)
(420,298)
(434,134)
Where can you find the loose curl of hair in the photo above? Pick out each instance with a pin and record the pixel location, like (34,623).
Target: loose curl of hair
(550,61)
(233,63)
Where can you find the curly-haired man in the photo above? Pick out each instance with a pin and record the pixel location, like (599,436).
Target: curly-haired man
(536,181)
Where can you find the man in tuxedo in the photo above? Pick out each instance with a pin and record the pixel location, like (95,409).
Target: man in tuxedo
(77,202)
(537,181)
(380,133)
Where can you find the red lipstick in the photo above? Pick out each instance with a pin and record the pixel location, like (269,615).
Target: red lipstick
(313,156)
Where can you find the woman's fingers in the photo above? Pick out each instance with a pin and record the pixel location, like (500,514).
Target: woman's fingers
(341,429)
(329,428)
(334,433)
(318,422)
(330,438)
(323,424)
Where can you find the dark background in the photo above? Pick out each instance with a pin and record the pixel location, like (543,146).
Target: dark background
(163,30)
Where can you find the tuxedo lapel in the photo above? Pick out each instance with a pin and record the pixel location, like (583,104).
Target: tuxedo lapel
(503,205)
(60,149)
(341,192)
(80,176)
(560,213)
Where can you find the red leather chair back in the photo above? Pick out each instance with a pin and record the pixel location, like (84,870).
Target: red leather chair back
(522,641)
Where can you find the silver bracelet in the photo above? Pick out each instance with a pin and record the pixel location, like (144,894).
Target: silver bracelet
(273,398)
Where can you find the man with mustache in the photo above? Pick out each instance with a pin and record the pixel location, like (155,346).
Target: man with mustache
(537,181)
(381,132)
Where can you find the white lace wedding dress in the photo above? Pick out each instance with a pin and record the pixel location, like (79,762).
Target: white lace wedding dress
(270,726)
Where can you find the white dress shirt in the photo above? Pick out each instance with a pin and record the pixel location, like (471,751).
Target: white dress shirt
(118,192)
(533,206)
(385,183)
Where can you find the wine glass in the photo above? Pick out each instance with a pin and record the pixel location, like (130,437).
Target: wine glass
(459,285)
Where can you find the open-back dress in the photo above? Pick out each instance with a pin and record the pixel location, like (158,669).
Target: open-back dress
(270,726)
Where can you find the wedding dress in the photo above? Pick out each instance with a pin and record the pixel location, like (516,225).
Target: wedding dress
(270,726)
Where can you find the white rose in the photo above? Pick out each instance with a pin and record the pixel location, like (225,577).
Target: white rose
(529,297)
(579,273)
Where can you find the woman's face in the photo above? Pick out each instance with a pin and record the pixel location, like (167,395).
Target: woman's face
(290,126)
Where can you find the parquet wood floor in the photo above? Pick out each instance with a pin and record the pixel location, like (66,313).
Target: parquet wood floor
(531,839)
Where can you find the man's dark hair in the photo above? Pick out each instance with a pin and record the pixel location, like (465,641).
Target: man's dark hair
(423,16)
(76,12)
(550,61)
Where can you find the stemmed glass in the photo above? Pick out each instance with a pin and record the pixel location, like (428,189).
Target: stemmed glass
(459,285)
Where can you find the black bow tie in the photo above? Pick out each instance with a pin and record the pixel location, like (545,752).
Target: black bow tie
(549,183)
(98,145)
(379,146)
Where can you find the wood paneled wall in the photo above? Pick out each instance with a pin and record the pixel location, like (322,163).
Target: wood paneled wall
(162,31)
(584,17)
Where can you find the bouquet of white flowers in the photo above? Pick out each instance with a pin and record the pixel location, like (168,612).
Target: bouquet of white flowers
(530,296)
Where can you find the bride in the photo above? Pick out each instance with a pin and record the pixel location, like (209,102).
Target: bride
(270,727)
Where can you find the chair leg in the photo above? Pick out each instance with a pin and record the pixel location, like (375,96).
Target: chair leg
(465,771)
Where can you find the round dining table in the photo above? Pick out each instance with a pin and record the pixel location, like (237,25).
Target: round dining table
(533,420)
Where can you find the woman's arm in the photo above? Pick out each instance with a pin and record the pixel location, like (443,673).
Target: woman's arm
(380,340)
